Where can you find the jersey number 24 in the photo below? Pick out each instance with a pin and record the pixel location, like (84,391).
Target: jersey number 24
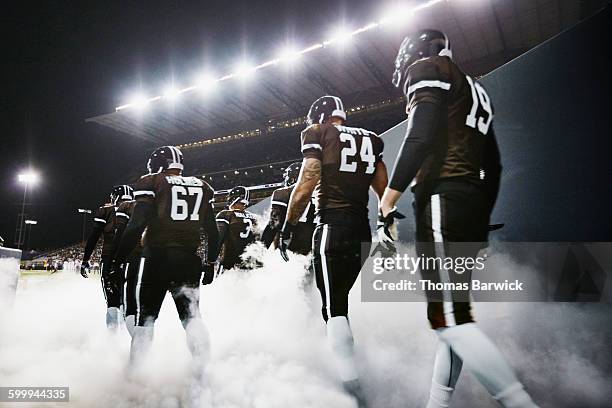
(347,155)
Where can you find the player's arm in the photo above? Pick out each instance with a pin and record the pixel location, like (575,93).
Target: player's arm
(380,180)
(141,215)
(310,174)
(121,220)
(425,90)
(92,240)
(223,222)
(212,235)
(492,167)
(278,211)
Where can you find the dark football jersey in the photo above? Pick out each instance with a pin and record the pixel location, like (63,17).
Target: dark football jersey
(239,234)
(301,242)
(181,204)
(122,216)
(463,128)
(105,218)
(349,157)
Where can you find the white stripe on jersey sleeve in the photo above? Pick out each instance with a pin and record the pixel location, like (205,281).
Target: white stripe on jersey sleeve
(428,84)
(278,203)
(122,214)
(144,192)
(222,220)
(100,220)
(311,146)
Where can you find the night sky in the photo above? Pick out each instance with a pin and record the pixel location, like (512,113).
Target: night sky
(68,61)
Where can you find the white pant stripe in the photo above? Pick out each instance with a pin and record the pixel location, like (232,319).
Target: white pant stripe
(436,226)
(138,285)
(324,267)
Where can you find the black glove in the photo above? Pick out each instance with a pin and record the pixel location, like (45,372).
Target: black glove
(208,272)
(286,235)
(386,242)
(85,267)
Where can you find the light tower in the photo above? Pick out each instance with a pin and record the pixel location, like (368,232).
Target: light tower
(28,178)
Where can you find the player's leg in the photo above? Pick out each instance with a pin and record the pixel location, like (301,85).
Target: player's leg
(111,286)
(450,217)
(185,290)
(129,293)
(149,292)
(337,264)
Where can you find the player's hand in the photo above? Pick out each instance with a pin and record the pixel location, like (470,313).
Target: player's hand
(85,267)
(386,239)
(286,235)
(208,272)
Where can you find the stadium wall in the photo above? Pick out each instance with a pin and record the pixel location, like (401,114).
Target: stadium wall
(9,275)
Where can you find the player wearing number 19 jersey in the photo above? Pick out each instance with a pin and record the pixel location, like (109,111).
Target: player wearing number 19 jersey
(451,152)
(174,209)
(340,165)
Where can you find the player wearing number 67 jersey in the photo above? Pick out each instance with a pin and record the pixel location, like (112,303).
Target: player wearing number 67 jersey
(340,165)
(236,228)
(173,208)
(451,152)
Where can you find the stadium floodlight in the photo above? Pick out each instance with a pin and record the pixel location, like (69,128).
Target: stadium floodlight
(244,70)
(28,178)
(341,37)
(289,55)
(31,222)
(397,16)
(138,102)
(171,93)
(206,83)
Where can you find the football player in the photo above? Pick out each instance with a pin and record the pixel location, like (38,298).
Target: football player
(340,165)
(173,208)
(104,225)
(302,236)
(130,268)
(236,228)
(451,153)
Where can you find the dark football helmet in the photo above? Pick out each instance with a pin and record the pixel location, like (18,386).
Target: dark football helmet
(122,192)
(292,173)
(325,107)
(238,194)
(165,157)
(418,45)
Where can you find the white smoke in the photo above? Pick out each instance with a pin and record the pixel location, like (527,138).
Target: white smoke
(269,348)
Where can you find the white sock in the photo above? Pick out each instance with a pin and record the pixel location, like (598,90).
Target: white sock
(485,362)
(198,342)
(130,322)
(515,396)
(112,317)
(141,343)
(447,368)
(340,339)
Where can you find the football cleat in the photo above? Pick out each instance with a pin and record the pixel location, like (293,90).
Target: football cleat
(325,107)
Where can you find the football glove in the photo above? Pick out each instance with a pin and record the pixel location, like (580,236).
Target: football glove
(286,235)
(386,240)
(208,272)
(85,267)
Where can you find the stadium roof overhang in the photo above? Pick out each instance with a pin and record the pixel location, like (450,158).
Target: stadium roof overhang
(484,34)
